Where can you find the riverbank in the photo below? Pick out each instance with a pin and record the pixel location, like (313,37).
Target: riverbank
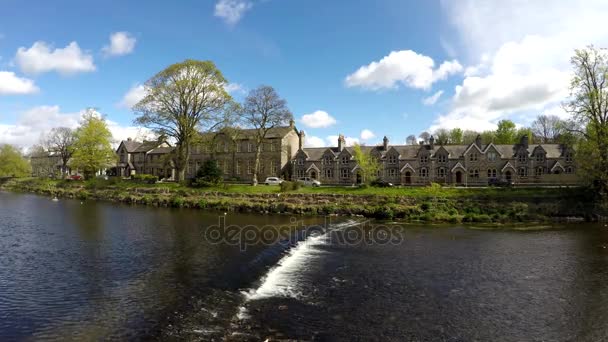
(424,204)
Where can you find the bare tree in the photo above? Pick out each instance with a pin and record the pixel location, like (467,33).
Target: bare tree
(411,140)
(425,136)
(263,111)
(547,128)
(181,100)
(442,136)
(60,141)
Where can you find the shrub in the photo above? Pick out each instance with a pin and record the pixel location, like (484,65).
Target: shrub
(290,186)
(144,178)
(209,174)
(383,213)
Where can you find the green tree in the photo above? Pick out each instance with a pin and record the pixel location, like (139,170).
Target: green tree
(506,133)
(12,162)
(92,148)
(208,174)
(181,100)
(368,164)
(588,106)
(456,136)
(264,110)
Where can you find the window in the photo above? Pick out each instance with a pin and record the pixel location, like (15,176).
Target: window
(273,167)
(225,146)
(473,157)
(441,172)
(522,158)
(329,173)
(327,160)
(442,158)
(249,167)
(300,161)
(492,173)
(538,171)
(424,159)
(392,159)
(474,173)
(522,172)
(424,172)
(491,156)
(238,146)
(237,167)
(569,169)
(540,158)
(206,148)
(345,160)
(301,173)
(569,158)
(344,173)
(392,173)
(249,147)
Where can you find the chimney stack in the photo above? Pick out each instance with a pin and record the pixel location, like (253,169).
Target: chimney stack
(478,141)
(341,142)
(525,141)
(301,137)
(292,123)
(432,142)
(385,143)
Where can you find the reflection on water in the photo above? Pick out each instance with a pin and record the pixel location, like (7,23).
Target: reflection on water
(72,270)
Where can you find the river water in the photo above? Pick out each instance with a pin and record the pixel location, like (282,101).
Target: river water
(72,270)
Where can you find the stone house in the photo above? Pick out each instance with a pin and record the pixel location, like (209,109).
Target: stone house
(147,157)
(473,164)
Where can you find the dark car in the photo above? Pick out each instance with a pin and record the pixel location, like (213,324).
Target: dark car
(499,182)
(382,184)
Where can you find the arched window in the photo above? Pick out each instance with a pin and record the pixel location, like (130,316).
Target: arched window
(492,173)
(538,171)
(522,172)
(474,173)
(424,172)
(441,172)
(569,169)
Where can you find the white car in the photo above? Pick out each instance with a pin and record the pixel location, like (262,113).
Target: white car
(273,181)
(307,181)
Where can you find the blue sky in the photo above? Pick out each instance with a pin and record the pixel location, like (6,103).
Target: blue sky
(360,68)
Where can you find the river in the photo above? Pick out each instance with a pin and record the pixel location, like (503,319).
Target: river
(72,270)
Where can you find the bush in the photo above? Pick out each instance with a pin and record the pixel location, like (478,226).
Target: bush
(144,178)
(209,174)
(290,186)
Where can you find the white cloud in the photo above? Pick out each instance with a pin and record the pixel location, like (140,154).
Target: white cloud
(234,88)
(366,134)
(33,123)
(11,84)
(40,59)
(332,140)
(121,43)
(318,119)
(133,96)
(407,67)
(523,49)
(431,100)
(231,11)
(313,141)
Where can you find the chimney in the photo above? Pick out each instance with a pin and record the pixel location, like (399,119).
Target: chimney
(301,137)
(341,142)
(129,139)
(524,141)
(292,123)
(385,143)
(432,142)
(478,141)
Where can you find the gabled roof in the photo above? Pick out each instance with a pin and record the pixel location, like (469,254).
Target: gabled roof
(407,166)
(507,165)
(458,166)
(471,146)
(161,150)
(130,145)
(147,146)
(557,164)
(313,166)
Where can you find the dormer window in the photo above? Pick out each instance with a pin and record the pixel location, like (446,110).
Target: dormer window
(569,158)
(300,161)
(424,159)
(491,156)
(522,158)
(327,160)
(473,157)
(442,158)
(392,159)
(540,158)
(345,160)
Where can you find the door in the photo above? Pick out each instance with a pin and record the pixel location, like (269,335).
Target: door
(408,177)
(458,177)
(508,176)
(313,174)
(359,178)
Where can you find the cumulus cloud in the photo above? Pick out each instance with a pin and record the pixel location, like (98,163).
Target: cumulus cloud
(318,119)
(402,67)
(133,96)
(431,100)
(35,122)
(234,88)
(121,43)
(366,134)
(313,141)
(11,84)
(231,11)
(332,140)
(41,58)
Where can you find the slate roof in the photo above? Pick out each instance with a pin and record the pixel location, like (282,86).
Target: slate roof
(131,145)
(161,150)
(275,132)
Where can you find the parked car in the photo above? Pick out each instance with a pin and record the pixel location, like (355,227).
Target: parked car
(273,181)
(75,177)
(499,182)
(382,184)
(307,181)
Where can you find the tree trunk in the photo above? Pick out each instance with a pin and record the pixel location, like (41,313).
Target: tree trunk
(256,166)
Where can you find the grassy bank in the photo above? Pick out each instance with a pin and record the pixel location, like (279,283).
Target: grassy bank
(427,204)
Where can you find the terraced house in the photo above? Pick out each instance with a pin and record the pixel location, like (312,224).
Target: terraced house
(473,164)
(149,157)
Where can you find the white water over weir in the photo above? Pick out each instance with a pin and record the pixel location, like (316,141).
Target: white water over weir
(285,279)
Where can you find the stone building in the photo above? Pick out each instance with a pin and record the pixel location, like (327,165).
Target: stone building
(147,157)
(473,164)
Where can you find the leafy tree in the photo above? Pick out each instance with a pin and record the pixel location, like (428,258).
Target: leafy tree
(12,162)
(547,128)
(368,164)
(60,141)
(181,100)
(92,144)
(411,140)
(506,132)
(442,136)
(425,136)
(488,137)
(469,136)
(208,174)
(264,110)
(588,105)
(456,136)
